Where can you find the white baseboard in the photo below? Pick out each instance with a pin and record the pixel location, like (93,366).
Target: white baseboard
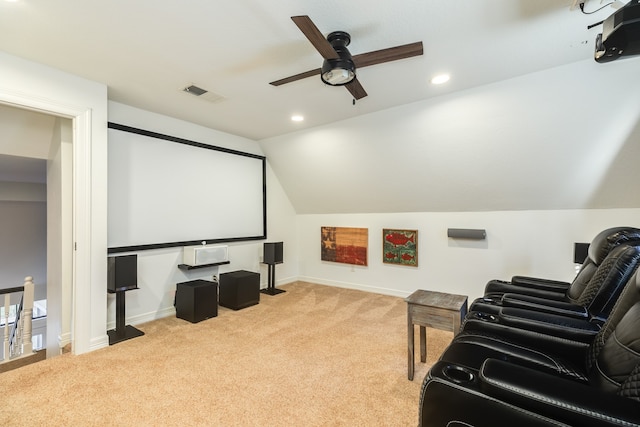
(358,286)
(96,343)
(145,317)
(279,282)
(64,339)
(171,311)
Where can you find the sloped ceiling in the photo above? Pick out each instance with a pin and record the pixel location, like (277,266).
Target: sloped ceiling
(565,138)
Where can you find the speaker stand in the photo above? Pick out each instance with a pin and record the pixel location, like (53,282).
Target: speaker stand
(271,287)
(122,332)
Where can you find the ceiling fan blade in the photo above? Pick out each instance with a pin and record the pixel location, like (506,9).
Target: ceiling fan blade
(296,77)
(387,55)
(356,89)
(314,35)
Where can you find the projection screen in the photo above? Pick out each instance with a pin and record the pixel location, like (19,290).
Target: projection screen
(165,191)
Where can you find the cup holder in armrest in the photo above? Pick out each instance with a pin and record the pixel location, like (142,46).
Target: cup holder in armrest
(484,316)
(458,374)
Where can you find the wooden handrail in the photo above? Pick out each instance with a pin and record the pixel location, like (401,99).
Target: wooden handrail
(12,290)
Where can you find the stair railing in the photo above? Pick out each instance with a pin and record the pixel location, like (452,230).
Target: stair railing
(17,339)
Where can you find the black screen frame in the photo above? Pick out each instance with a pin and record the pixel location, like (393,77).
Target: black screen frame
(151,134)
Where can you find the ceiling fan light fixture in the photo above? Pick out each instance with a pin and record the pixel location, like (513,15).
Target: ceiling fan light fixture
(341,70)
(337,72)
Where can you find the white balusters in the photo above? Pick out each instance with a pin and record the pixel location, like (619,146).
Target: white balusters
(17,337)
(7,306)
(27,316)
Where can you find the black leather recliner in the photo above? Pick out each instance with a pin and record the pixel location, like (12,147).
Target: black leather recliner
(544,352)
(526,291)
(503,394)
(564,319)
(501,384)
(599,247)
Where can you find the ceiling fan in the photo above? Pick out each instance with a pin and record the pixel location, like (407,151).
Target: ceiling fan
(339,67)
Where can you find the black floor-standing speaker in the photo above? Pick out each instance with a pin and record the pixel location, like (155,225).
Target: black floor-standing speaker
(122,276)
(273,254)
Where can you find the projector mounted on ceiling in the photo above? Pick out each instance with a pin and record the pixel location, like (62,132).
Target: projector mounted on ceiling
(620,34)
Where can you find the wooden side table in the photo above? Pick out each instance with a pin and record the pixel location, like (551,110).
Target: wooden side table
(436,310)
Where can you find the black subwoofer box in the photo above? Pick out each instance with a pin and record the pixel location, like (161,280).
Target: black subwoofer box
(239,289)
(196,300)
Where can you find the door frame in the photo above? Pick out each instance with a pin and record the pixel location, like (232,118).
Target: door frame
(81,210)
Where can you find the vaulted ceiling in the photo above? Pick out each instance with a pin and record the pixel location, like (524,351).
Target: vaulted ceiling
(147,51)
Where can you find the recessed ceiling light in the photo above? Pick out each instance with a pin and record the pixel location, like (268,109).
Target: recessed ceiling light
(297,118)
(440,78)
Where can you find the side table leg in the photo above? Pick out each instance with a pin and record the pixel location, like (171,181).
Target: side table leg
(411,345)
(423,344)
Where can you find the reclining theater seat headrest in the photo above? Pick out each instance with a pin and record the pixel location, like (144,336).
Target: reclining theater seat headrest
(606,240)
(606,285)
(600,247)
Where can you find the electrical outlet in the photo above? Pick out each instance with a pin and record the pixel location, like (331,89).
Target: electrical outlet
(214,278)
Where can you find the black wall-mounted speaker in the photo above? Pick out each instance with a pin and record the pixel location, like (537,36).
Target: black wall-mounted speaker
(466,233)
(580,252)
(122,273)
(273,252)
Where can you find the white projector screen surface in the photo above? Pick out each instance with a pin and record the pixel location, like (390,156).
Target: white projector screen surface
(166,191)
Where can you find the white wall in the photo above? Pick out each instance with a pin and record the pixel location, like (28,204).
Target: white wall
(23,226)
(23,243)
(538,243)
(158,270)
(25,133)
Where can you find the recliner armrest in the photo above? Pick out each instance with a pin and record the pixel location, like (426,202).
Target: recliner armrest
(571,348)
(538,283)
(571,328)
(544,305)
(496,288)
(554,397)
(449,401)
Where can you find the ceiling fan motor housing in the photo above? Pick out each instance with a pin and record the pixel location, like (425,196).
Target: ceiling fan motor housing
(339,71)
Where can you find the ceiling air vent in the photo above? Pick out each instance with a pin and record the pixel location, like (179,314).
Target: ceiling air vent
(203,93)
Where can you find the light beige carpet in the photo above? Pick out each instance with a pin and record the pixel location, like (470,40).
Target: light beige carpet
(313,356)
